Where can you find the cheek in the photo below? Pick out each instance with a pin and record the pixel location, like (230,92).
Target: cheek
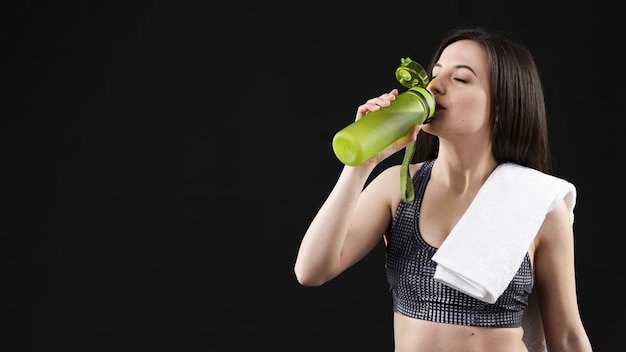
(478,106)
(472,113)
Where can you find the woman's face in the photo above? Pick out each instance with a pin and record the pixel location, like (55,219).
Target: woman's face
(460,85)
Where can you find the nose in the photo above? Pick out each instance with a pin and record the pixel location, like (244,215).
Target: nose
(435,86)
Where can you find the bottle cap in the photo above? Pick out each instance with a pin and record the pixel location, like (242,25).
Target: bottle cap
(411,74)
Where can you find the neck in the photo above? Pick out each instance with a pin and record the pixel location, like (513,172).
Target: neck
(463,170)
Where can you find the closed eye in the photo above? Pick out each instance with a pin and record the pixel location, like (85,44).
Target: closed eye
(456,79)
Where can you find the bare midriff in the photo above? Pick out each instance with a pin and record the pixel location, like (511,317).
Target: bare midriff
(414,335)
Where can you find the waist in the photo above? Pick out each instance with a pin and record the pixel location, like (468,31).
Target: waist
(416,335)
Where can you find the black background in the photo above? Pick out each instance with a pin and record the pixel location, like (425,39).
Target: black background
(161,162)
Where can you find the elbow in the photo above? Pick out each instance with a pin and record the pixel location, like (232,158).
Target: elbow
(307,278)
(306,281)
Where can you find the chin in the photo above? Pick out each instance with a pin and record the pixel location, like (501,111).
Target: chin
(428,128)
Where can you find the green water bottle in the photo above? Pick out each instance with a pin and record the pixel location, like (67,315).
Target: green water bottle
(377,130)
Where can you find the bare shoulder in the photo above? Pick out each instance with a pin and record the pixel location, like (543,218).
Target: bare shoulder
(557,229)
(391,175)
(388,183)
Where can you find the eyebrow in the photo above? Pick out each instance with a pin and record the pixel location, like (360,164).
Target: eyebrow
(459,66)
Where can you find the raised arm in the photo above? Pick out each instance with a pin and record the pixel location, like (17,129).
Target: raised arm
(353,219)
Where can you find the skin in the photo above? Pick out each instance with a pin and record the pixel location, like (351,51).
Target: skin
(353,219)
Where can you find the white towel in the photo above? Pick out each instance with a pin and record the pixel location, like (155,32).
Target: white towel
(484,250)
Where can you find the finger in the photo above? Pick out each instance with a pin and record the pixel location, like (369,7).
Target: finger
(383,100)
(413,133)
(374,104)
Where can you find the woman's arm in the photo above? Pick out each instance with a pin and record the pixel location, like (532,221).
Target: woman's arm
(353,219)
(556,284)
(338,237)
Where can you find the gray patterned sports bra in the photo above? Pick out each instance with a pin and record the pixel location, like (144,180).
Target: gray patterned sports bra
(416,294)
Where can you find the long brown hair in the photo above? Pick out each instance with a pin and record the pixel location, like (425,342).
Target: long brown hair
(518,114)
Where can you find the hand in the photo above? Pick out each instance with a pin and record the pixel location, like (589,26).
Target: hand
(375,104)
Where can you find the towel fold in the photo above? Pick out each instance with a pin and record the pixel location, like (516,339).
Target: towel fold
(484,250)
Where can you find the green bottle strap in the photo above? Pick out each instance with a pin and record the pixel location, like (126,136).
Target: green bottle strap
(406,184)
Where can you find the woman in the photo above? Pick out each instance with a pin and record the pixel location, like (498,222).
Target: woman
(490,116)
